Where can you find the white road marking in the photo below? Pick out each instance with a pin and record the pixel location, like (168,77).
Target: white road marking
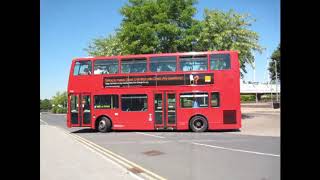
(43,122)
(135,176)
(199,140)
(117,158)
(108,159)
(101,155)
(239,150)
(150,135)
(153,142)
(113,156)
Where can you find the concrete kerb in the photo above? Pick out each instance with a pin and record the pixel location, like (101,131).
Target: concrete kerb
(142,172)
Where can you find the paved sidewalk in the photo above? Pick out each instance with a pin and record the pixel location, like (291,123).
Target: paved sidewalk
(258,107)
(260,110)
(261,126)
(260,122)
(63,158)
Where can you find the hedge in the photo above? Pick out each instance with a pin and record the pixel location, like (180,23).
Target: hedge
(248,98)
(267,97)
(58,110)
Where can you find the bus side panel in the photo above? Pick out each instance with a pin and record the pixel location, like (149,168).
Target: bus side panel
(185,114)
(68,120)
(215,117)
(137,120)
(224,126)
(111,113)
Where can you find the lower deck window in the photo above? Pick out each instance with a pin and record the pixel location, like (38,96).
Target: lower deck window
(135,102)
(106,101)
(215,100)
(194,100)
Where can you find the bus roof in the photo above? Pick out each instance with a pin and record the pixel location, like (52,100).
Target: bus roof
(151,55)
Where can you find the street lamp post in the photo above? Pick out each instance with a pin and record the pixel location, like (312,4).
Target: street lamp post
(254,78)
(270,82)
(275,63)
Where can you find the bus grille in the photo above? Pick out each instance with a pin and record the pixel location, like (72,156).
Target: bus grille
(229,117)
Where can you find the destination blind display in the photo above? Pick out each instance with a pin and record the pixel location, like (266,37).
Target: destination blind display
(159,80)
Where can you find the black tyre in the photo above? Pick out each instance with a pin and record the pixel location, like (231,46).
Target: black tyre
(198,124)
(104,125)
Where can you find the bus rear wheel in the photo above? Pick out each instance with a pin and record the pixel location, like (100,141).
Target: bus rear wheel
(198,124)
(104,125)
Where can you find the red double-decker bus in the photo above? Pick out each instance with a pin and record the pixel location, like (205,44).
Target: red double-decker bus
(177,91)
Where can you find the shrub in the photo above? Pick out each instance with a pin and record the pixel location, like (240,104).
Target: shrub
(54,109)
(267,97)
(58,110)
(248,98)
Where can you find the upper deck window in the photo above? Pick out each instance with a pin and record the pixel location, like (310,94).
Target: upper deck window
(220,61)
(133,65)
(163,64)
(194,63)
(106,66)
(82,68)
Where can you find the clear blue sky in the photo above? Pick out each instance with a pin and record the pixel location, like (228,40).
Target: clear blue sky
(67,27)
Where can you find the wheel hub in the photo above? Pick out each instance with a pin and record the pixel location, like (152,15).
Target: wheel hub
(198,124)
(102,124)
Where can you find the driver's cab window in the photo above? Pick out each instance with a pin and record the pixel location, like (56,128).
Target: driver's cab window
(82,68)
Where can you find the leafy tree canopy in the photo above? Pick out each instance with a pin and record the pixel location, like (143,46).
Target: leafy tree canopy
(160,26)
(45,104)
(229,31)
(60,102)
(60,99)
(275,58)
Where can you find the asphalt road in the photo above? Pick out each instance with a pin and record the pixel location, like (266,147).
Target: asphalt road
(188,155)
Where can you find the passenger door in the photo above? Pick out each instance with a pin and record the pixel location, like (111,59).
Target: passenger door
(80,109)
(165,109)
(85,109)
(74,109)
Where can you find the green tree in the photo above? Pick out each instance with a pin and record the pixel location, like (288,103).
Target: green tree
(45,104)
(154,26)
(59,102)
(109,46)
(229,31)
(275,58)
(150,26)
(160,26)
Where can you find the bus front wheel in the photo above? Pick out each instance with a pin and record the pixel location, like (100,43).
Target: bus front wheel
(104,125)
(198,124)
